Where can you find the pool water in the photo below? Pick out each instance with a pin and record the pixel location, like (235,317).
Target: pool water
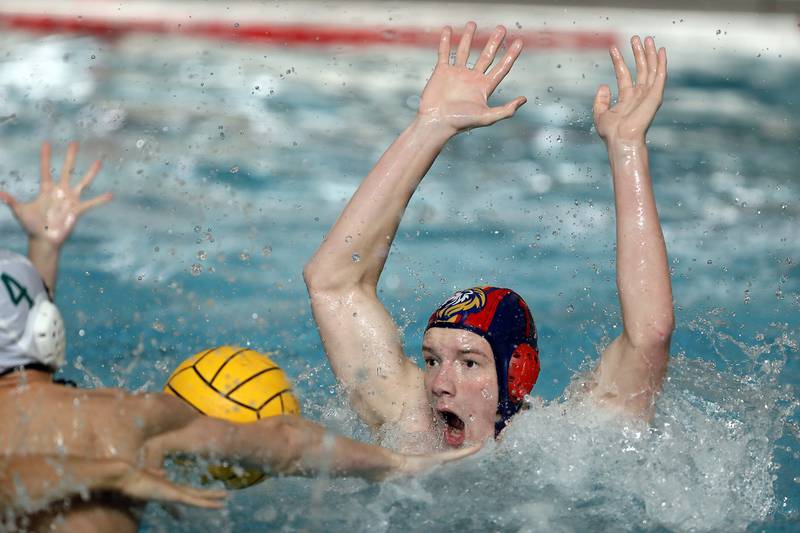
(230,163)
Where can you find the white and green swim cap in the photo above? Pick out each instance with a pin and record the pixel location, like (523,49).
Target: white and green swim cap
(31,327)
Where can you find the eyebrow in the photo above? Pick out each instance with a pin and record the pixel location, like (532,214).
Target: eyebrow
(467,351)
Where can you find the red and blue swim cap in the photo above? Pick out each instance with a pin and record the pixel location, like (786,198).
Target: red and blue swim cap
(501,317)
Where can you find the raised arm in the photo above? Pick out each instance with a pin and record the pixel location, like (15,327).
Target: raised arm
(288,445)
(360,338)
(49,219)
(633,366)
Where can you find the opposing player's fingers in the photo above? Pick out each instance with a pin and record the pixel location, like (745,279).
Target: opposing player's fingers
(464,45)
(444,45)
(641,61)
(620,71)
(652,60)
(87,178)
(602,101)
(661,71)
(45,173)
(69,162)
(500,70)
(490,50)
(206,499)
(496,114)
(94,202)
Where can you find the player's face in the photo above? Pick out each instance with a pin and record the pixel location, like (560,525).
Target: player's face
(461,383)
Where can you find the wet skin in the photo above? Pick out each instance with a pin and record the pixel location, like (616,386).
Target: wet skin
(461,384)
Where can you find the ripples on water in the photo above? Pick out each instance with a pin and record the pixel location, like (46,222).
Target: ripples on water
(230,163)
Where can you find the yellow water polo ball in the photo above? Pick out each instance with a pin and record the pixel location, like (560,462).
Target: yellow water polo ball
(236,384)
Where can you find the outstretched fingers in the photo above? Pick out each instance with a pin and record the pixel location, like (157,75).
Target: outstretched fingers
(622,73)
(9,200)
(46,176)
(490,50)
(93,202)
(69,163)
(500,70)
(465,44)
(639,56)
(498,113)
(444,45)
(652,60)
(602,101)
(87,178)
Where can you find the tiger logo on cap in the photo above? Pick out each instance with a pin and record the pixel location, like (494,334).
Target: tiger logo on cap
(460,302)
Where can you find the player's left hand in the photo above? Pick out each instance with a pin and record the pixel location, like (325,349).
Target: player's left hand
(629,119)
(51,216)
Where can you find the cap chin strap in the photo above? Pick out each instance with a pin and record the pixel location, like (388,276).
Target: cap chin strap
(47,330)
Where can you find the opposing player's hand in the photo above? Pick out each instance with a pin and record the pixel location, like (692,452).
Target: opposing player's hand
(456,95)
(52,215)
(416,464)
(637,103)
(152,485)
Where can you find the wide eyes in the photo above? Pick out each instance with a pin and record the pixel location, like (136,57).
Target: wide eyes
(431,362)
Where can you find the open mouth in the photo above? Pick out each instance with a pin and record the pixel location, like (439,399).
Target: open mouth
(454,428)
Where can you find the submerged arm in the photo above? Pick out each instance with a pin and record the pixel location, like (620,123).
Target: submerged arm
(632,368)
(361,339)
(30,483)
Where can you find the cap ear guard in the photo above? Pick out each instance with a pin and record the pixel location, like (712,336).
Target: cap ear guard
(523,371)
(47,328)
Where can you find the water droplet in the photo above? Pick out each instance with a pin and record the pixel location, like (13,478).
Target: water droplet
(234,169)
(197,229)
(348,239)
(202,255)
(550,89)
(267,250)
(570,308)
(196,269)
(158,326)
(139,143)
(244,256)
(356,258)
(81,333)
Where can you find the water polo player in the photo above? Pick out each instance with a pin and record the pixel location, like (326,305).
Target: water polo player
(75,446)
(480,347)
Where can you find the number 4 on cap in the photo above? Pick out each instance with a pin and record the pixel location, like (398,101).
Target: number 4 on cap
(15,291)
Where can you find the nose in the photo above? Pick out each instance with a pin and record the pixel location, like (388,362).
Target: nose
(444,382)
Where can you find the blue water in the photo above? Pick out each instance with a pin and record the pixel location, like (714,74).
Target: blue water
(231,162)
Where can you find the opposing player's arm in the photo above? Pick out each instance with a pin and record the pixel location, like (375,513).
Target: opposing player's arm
(49,219)
(632,368)
(30,483)
(360,338)
(288,445)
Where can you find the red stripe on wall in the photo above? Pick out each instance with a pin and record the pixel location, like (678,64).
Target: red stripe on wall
(289,34)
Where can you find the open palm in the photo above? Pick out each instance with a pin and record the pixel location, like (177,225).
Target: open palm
(52,215)
(456,95)
(630,117)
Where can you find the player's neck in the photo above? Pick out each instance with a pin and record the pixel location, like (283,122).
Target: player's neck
(25,378)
